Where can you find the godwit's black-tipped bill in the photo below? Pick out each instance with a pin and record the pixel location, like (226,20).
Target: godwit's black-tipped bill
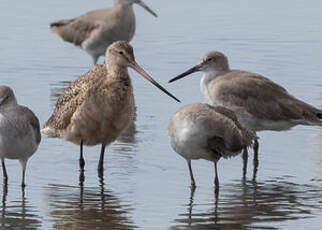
(137,68)
(141,3)
(189,71)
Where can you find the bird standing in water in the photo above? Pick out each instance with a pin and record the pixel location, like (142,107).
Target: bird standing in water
(99,105)
(259,103)
(95,30)
(19,132)
(202,131)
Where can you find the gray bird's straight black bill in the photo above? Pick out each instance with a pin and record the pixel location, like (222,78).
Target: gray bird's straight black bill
(189,71)
(141,3)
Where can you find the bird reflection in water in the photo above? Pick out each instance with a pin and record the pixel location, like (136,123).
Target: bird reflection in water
(17,214)
(252,205)
(87,208)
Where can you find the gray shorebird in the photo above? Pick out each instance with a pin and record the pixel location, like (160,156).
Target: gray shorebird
(202,131)
(259,103)
(99,105)
(19,132)
(95,30)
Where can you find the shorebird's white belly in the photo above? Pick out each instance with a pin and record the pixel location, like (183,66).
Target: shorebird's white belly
(13,145)
(189,141)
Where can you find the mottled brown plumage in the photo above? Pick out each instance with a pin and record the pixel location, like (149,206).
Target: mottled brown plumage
(99,105)
(95,96)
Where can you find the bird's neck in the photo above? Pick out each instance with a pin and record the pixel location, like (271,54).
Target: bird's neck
(207,77)
(122,3)
(210,75)
(117,73)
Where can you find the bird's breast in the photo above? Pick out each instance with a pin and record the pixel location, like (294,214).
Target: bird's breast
(102,117)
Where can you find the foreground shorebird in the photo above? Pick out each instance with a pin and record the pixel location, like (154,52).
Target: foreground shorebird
(259,103)
(99,105)
(202,131)
(19,132)
(96,30)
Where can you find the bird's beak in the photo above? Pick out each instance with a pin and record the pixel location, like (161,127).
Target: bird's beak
(138,69)
(141,3)
(189,71)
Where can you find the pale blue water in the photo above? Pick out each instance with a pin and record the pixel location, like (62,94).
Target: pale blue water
(146,185)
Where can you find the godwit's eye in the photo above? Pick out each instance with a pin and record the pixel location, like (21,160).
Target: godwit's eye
(121,52)
(209,59)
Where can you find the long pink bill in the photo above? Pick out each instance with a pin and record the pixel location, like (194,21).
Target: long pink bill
(138,69)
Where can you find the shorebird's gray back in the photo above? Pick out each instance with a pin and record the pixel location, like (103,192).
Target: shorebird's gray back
(95,30)
(249,93)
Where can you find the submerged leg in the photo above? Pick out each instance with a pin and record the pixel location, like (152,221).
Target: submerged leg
(245,160)
(216,178)
(256,146)
(23,165)
(101,161)
(193,184)
(5,175)
(81,157)
(255,162)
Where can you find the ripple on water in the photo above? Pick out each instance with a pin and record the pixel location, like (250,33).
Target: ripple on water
(18,213)
(78,207)
(251,205)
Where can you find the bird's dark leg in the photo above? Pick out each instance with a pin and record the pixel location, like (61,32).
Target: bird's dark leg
(81,157)
(245,160)
(101,162)
(256,146)
(4,196)
(255,162)
(193,184)
(23,164)
(190,205)
(5,175)
(216,178)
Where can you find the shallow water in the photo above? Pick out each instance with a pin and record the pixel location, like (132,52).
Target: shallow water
(146,185)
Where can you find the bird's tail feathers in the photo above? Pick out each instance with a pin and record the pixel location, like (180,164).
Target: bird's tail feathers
(319,114)
(55,25)
(50,132)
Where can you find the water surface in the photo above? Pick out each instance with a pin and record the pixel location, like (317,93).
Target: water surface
(146,185)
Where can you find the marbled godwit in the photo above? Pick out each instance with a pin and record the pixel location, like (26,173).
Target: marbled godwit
(202,131)
(99,105)
(259,103)
(19,132)
(96,30)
